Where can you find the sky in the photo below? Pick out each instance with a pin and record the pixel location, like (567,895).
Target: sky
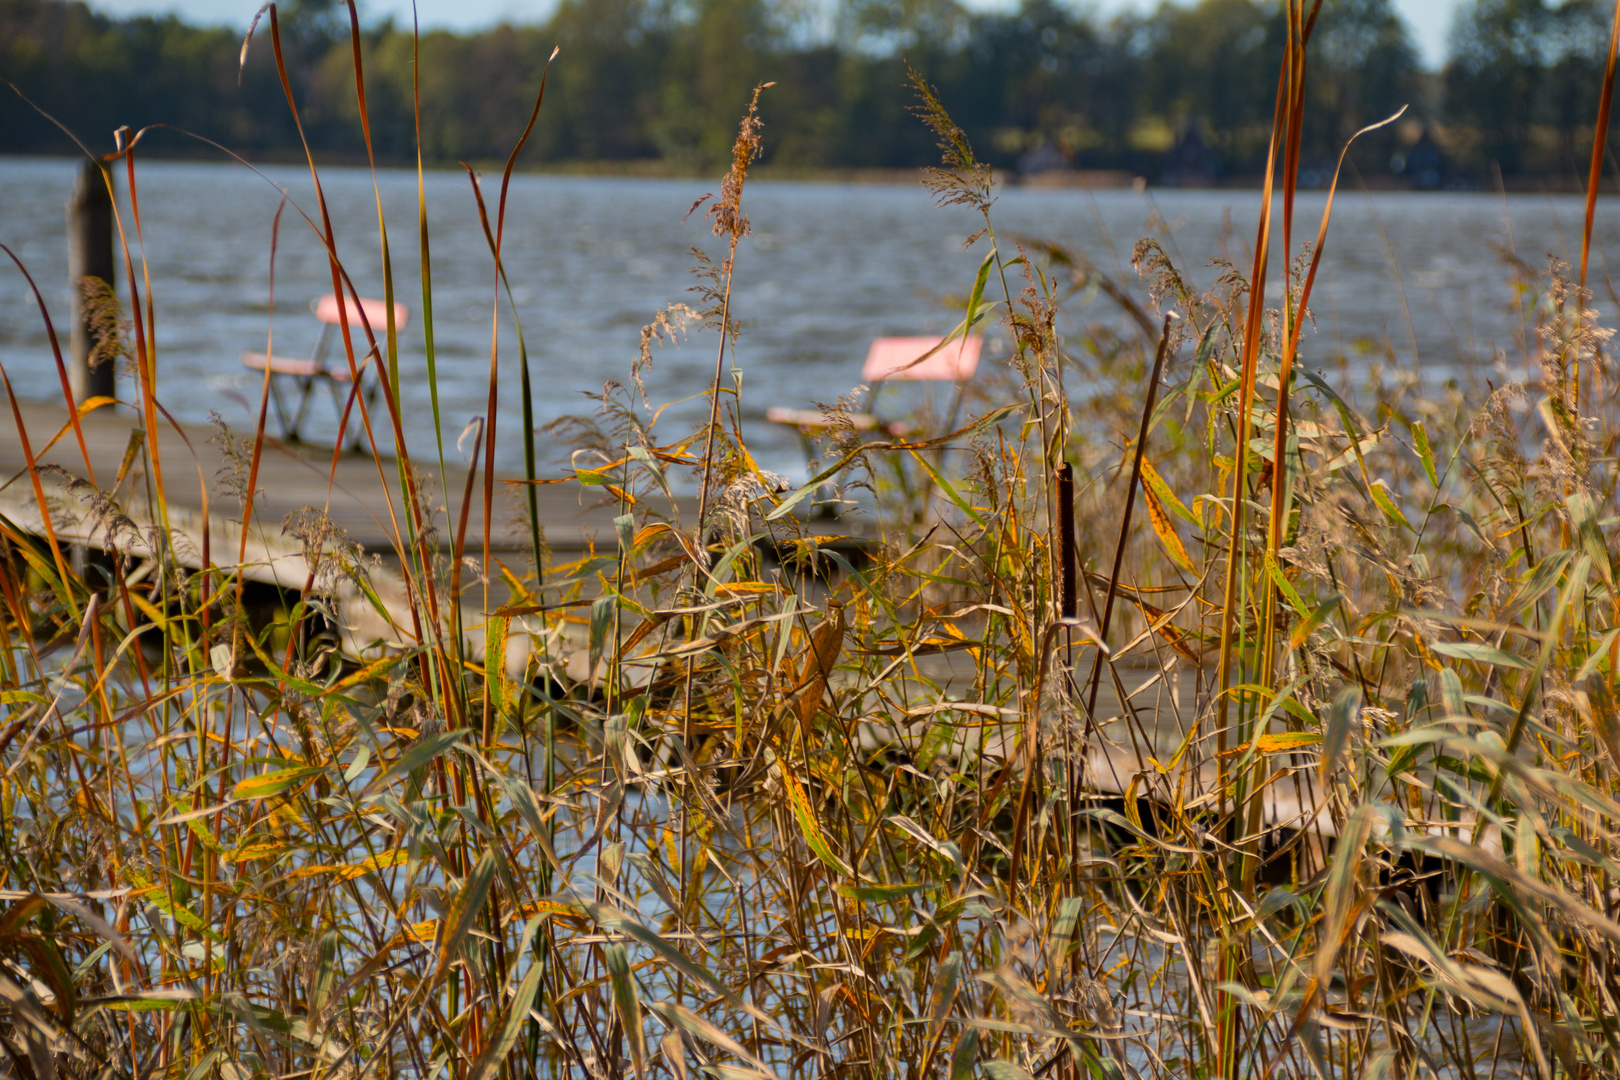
(1429,19)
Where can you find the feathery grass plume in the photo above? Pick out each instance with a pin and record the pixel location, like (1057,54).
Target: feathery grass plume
(726,214)
(105,319)
(666,328)
(1164,281)
(964,180)
(712,279)
(327,549)
(232,476)
(840,440)
(1032,320)
(714,285)
(102,513)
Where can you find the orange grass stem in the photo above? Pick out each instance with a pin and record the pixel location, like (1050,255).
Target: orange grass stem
(1600,137)
(1594,176)
(1282,120)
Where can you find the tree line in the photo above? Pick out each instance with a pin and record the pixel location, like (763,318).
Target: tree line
(665,80)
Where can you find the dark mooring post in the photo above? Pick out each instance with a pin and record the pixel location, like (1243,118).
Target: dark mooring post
(1066,554)
(90,255)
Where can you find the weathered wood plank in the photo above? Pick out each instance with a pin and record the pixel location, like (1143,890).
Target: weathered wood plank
(360,494)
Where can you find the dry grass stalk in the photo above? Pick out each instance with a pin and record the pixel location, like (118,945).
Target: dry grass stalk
(684,808)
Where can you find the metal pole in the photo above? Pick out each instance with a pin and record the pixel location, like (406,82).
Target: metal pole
(90,255)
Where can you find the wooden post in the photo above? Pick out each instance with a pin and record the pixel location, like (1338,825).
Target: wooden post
(90,255)
(1069,607)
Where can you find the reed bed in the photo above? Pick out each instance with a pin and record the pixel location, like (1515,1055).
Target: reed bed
(726,799)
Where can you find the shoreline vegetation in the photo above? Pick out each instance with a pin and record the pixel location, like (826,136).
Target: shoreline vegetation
(728,796)
(1176,96)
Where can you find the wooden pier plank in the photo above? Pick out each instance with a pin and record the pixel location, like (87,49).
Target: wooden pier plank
(357,496)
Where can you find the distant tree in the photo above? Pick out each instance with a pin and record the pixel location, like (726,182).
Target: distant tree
(1362,68)
(1041,66)
(885,28)
(875,39)
(1577,36)
(1215,64)
(1495,74)
(314,24)
(607,79)
(644,79)
(720,52)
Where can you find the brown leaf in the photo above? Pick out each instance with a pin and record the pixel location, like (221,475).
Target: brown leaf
(826,642)
(1604,720)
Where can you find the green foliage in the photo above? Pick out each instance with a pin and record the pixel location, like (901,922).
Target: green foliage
(1523,80)
(651,80)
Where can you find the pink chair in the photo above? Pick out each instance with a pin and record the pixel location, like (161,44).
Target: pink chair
(303,376)
(922,358)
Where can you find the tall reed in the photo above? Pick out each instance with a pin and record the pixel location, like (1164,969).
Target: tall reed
(1316,774)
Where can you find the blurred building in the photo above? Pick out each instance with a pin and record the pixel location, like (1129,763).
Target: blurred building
(1423,164)
(1045,158)
(1190,163)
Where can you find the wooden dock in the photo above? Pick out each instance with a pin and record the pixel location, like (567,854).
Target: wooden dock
(359,496)
(356,495)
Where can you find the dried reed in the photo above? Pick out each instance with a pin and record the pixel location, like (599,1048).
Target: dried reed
(1348,807)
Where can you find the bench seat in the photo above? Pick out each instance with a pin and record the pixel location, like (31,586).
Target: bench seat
(808,420)
(286,365)
(293,382)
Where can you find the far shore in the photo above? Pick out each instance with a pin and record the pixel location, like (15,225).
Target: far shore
(1078,179)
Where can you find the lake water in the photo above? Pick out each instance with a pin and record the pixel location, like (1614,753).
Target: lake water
(829,267)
